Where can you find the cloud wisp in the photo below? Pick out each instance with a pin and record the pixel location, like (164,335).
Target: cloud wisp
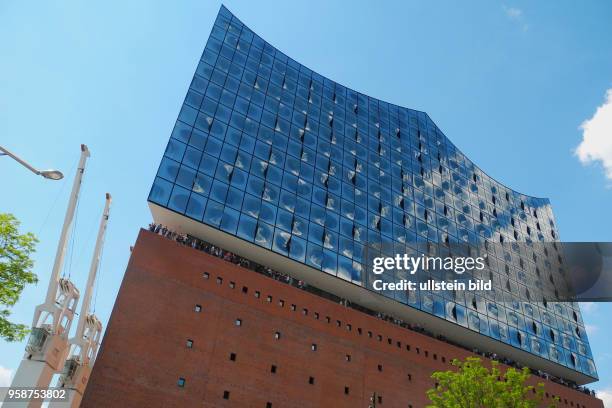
(6,376)
(517,16)
(596,145)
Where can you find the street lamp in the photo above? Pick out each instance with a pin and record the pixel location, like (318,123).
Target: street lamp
(48,174)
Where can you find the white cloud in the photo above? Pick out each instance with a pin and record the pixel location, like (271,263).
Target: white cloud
(6,376)
(588,307)
(591,329)
(513,13)
(516,15)
(606,396)
(596,145)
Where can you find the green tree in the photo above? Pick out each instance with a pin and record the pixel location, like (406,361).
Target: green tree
(15,272)
(472,385)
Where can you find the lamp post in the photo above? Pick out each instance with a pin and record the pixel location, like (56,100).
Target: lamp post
(48,174)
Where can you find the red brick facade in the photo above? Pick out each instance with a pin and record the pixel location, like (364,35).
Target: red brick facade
(266,361)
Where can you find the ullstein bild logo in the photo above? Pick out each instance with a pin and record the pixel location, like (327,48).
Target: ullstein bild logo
(412,264)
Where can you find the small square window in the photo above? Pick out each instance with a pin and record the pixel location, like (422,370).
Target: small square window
(245,290)
(197,308)
(238,322)
(418,350)
(268,405)
(232,357)
(316,315)
(380,367)
(328,319)
(281,303)
(347,357)
(206,275)
(189,343)
(379,337)
(346,390)
(226,395)
(305,312)
(409,377)
(269,299)
(443,359)
(181,382)
(232,285)
(310,380)
(399,344)
(277,335)
(359,331)
(370,334)
(338,323)
(257,294)
(426,353)
(349,327)
(313,347)
(219,280)
(273,369)
(380,399)
(293,307)
(435,356)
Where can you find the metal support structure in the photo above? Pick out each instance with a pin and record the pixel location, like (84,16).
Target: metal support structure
(48,343)
(84,345)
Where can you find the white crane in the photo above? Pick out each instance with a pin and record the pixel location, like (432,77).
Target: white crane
(48,343)
(84,345)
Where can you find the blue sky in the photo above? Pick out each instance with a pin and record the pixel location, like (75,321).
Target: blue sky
(510,83)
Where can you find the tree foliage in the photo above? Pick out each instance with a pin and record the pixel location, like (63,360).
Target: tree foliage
(15,272)
(472,385)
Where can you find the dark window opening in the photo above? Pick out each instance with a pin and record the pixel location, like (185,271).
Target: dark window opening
(310,380)
(189,343)
(273,369)
(181,382)
(197,308)
(226,395)
(233,356)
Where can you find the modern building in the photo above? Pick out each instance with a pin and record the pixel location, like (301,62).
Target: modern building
(296,176)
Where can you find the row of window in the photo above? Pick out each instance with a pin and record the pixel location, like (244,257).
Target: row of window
(313,346)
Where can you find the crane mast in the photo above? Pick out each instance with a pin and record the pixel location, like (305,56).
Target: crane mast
(84,345)
(47,345)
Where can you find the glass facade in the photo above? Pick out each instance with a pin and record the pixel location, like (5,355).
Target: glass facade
(275,154)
